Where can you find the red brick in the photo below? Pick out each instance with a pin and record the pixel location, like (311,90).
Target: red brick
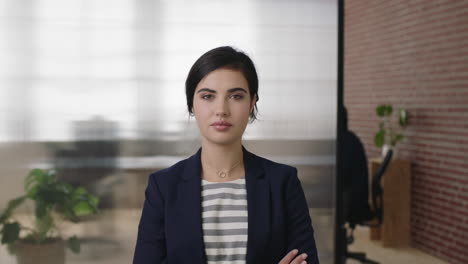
(415,55)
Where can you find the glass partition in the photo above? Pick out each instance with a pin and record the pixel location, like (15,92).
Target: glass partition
(95,90)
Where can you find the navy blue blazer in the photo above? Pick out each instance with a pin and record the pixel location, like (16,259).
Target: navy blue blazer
(170,229)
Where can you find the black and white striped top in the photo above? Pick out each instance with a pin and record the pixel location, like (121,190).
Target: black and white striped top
(224,218)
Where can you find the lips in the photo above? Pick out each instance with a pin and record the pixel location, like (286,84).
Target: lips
(221,126)
(221,123)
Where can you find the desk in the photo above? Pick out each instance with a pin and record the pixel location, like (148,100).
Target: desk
(396,184)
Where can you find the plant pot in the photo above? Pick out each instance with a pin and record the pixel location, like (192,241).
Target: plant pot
(51,252)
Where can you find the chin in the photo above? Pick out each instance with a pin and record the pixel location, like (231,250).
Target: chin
(222,139)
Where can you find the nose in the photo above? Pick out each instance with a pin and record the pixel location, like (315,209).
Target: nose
(222,109)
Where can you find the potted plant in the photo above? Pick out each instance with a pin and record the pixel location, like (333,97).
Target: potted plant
(53,200)
(387,137)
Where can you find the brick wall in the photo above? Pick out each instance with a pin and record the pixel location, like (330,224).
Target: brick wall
(414,54)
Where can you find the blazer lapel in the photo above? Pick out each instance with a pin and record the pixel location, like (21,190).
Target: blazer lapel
(189,200)
(258,208)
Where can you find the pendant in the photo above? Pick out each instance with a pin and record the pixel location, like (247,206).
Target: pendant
(222,174)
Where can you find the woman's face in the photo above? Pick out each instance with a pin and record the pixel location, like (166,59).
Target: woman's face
(222,96)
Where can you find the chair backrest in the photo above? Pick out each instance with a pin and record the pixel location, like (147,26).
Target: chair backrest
(377,191)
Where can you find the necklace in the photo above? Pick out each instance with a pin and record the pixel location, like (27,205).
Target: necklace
(224,173)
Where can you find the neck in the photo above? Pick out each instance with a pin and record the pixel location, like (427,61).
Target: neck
(221,157)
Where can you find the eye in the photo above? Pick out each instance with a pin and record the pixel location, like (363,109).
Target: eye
(237,96)
(207,96)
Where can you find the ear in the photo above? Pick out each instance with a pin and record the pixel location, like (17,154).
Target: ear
(252,103)
(192,113)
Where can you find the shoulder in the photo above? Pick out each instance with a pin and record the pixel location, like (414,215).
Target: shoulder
(282,178)
(277,172)
(164,176)
(274,166)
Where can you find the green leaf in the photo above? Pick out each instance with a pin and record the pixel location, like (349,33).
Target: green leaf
(16,202)
(384,110)
(35,173)
(51,175)
(65,187)
(35,178)
(50,195)
(12,204)
(78,192)
(380,110)
(31,192)
(10,232)
(94,201)
(41,209)
(74,244)
(379,138)
(38,177)
(389,110)
(82,208)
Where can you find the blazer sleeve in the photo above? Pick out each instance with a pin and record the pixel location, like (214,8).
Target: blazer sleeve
(151,240)
(299,225)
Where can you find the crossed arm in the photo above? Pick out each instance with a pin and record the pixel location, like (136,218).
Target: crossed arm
(301,242)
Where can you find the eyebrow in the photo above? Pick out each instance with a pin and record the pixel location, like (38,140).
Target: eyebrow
(229,91)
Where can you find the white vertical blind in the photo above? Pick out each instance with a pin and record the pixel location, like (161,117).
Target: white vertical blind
(126,62)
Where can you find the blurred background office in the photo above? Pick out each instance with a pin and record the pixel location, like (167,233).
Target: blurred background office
(95,89)
(414,55)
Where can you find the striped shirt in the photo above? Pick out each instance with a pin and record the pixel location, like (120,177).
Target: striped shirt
(224,217)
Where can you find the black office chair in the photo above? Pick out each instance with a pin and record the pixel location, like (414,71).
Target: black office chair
(376,211)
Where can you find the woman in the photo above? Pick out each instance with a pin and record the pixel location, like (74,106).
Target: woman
(224,204)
